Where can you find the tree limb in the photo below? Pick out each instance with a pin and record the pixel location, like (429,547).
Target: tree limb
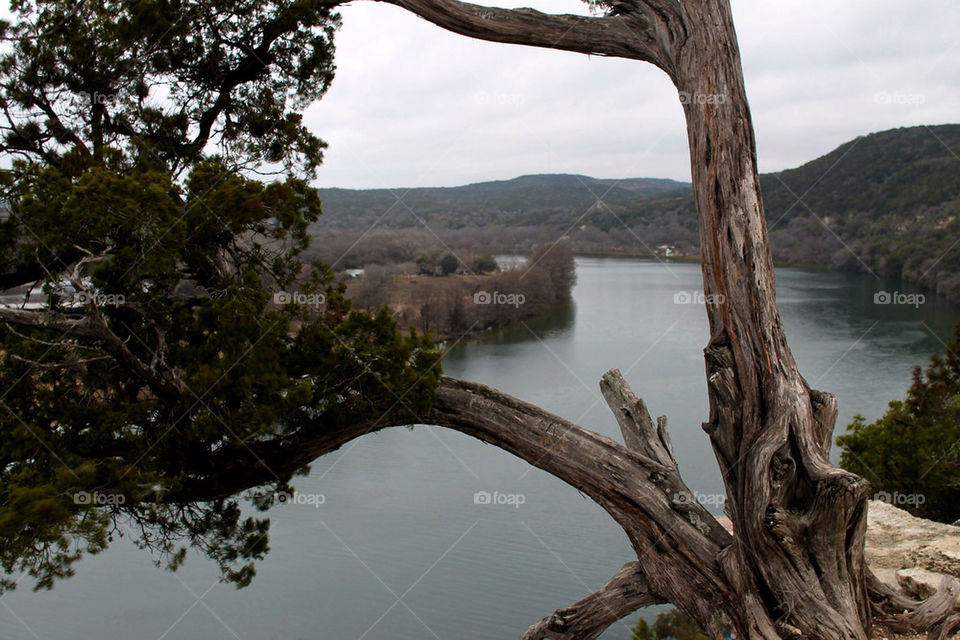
(636,425)
(95,327)
(588,618)
(603,469)
(677,541)
(70,325)
(936,615)
(646,30)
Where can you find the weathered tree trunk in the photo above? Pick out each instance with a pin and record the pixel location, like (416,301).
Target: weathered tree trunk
(794,566)
(799,521)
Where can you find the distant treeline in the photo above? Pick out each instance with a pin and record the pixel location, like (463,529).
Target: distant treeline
(357,250)
(887,203)
(467,302)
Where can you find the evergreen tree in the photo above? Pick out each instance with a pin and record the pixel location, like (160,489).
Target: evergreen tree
(485,264)
(671,625)
(449,264)
(642,631)
(911,453)
(176,324)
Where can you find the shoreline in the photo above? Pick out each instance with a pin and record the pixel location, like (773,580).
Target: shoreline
(689,258)
(442,340)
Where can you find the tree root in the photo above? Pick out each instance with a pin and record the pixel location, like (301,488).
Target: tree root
(937,616)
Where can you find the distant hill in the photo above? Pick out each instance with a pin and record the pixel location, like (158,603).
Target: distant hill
(887,202)
(528,200)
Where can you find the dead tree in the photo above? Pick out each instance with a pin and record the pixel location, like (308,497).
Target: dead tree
(793,566)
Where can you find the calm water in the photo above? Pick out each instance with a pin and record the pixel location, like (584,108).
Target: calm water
(400,551)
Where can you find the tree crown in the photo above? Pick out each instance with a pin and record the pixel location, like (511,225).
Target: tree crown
(167,329)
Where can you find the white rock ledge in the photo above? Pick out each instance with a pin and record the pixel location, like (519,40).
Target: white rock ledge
(910,552)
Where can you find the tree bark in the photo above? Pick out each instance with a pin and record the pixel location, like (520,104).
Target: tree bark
(800,521)
(797,565)
(645,34)
(623,594)
(794,566)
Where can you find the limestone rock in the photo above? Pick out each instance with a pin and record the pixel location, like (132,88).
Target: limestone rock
(897,541)
(941,554)
(917,582)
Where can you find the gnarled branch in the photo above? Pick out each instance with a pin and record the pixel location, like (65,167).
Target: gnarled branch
(95,327)
(624,593)
(641,30)
(677,541)
(936,615)
(636,425)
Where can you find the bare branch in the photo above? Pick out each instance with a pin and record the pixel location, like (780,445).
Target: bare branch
(935,615)
(588,618)
(94,326)
(636,425)
(646,30)
(648,498)
(67,325)
(67,364)
(677,541)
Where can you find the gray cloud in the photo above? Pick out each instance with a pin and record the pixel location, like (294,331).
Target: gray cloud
(413,105)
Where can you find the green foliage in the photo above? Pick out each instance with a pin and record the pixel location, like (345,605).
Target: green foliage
(910,454)
(449,264)
(677,625)
(642,631)
(889,201)
(178,332)
(437,263)
(485,264)
(673,625)
(161,79)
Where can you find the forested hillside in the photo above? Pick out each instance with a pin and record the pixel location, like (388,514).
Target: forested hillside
(527,200)
(887,202)
(892,198)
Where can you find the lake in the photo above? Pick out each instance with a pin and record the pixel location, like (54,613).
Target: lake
(398,549)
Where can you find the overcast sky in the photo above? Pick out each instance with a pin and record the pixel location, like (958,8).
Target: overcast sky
(414,105)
